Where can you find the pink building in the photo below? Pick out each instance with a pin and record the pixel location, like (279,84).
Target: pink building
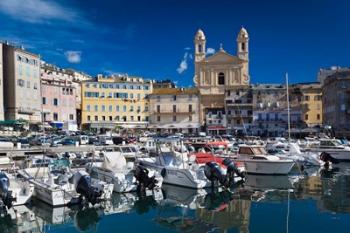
(59,103)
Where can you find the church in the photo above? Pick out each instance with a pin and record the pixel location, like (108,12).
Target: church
(217,74)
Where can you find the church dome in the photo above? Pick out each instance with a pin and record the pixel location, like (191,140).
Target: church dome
(200,34)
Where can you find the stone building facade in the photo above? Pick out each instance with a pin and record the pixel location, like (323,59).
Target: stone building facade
(308,98)
(115,101)
(21,84)
(215,74)
(174,110)
(58,104)
(336,103)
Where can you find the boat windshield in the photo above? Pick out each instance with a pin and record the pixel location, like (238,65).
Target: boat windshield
(331,143)
(258,150)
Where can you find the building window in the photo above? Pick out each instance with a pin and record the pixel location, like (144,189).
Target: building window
(104,118)
(124,108)
(158,98)
(89,118)
(306,117)
(88,108)
(117,118)
(110,118)
(96,118)
(124,118)
(190,118)
(318,117)
(131,108)
(71,117)
(44,100)
(132,118)
(146,108)
(96,108)
(221,78)
(307,98)
(243,46)
(117,108)
(200,48)
(190,108)
(20,82)
(103,108)
(138,118)
(174,118)
(158,118)
(55,116)
(174,108)
(110,109)
(55,101)
(35,86)
(158,108)
(174,97)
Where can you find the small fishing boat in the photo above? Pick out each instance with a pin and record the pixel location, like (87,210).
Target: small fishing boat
(257,161)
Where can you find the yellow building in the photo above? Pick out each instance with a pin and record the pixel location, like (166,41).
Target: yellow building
(108,102)
(308,97)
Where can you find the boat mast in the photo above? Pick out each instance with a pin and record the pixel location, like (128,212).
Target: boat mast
(288,107)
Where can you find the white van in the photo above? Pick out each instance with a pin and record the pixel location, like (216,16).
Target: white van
(105,140)
(83,140)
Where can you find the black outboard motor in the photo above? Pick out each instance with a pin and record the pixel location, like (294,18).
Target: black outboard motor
(144,181)
(5,193)
(231,171)
(214,173)
(325,157)
(83,186)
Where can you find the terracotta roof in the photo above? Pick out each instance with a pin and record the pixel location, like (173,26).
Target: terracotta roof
(175,91)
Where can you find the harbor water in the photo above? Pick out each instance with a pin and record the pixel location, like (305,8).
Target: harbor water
(316,202)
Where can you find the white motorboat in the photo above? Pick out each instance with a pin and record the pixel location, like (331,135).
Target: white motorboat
(114,169)
(301,158)
(178,168)
(257,161)
(332,151)
(57,186)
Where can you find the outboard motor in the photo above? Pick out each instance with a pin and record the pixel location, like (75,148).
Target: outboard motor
(325,157)
(214,173)
(5,193)
(83,186)
(144,181)
(231,170)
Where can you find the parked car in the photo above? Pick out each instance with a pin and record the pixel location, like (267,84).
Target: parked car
(105,140)
(68,142)
(118,140)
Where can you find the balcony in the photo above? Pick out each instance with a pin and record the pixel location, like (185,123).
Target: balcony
(174,113)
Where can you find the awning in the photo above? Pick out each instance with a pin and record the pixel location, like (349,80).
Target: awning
(216,127)
(57,124)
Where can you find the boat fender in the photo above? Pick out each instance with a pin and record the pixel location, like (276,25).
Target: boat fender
(163,172)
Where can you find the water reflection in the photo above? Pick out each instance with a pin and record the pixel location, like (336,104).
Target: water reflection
(246,208)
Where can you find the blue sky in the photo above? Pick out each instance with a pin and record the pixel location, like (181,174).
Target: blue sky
(151,38)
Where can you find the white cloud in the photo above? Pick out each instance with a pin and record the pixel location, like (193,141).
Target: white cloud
(37,11)
(183,64)
(210,51)
(73,56)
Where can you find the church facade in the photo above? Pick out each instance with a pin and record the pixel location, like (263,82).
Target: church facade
(215,75)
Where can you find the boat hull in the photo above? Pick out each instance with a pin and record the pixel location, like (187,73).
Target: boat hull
(266,167)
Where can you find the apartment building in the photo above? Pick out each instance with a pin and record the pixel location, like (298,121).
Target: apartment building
(115,101)
(174,110)
(21,84)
